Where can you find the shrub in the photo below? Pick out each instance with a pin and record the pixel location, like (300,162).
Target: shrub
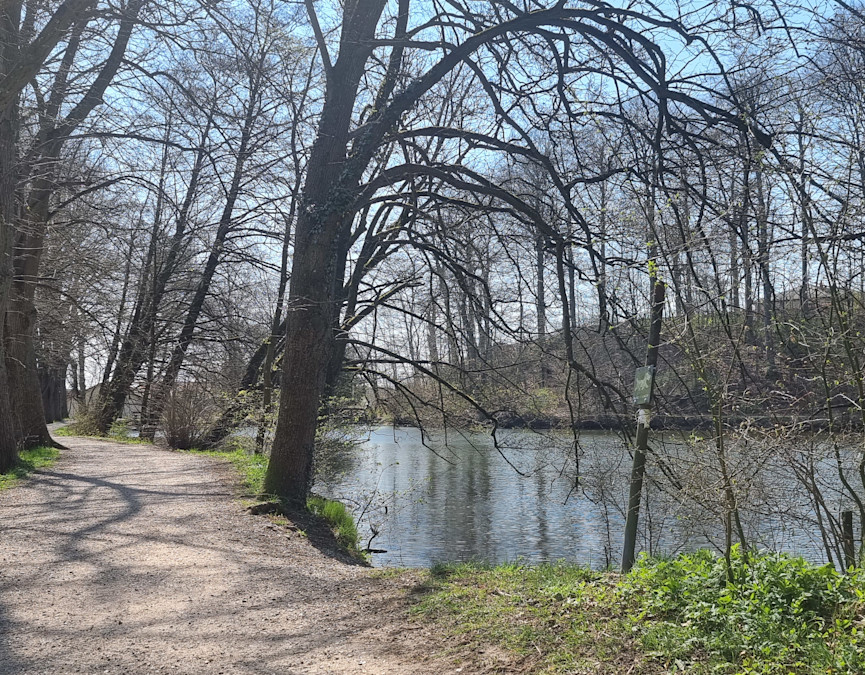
(775,610)
(119,429)
(84,424)
(189,414)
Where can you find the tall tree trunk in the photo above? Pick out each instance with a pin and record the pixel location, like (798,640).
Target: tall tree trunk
(805,210)
(225,227)
(121,314)
(334,172)
(21,59)
(21,321)
(273,338)
(9,432)
(134,349)
(454,352)
(21,314)
(747,266)
(734,270)
(147,420)
(763,253)
(81,370)
(572,290)
(432,325)
(53,385)
(747,271)
(10,18)
(540,288)
(541,308)
(320,230)
(604,317)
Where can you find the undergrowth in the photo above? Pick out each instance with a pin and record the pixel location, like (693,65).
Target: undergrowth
(779,614)
(28,461)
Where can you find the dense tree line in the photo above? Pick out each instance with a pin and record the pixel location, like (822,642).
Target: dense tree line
(446,212)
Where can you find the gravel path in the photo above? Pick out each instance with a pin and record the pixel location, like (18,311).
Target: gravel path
(132,559)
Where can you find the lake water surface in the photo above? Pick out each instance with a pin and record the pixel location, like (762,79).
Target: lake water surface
(458,498)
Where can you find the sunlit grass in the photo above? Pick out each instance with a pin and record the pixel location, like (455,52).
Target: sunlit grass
(118,433)
(780,615)
(339,518)
(251,467)
(28,462)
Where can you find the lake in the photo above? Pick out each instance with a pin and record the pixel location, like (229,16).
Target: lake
(456,497)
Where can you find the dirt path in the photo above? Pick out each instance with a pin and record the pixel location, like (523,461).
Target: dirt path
(132,559)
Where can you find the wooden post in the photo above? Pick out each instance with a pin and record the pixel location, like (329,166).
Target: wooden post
(847,539)
(643,394)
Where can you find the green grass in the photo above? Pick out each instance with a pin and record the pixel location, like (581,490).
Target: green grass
(250,467)
(119,433)
(780,615)
(339,518)
(28,461)
(546,617)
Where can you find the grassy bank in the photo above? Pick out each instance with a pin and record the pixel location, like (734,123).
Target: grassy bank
(778,615)
(118,433)
(339,519)
(28,461)
(251,468)
(335,514)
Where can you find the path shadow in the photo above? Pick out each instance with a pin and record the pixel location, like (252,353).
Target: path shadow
(316,529)
(8,662)
(75,504)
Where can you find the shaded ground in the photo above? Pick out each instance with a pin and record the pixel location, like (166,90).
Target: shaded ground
(132,559)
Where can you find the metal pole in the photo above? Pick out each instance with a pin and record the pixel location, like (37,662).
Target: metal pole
(644,420)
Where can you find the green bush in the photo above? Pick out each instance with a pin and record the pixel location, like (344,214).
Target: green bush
(119,429)
(84,424)
(774,613)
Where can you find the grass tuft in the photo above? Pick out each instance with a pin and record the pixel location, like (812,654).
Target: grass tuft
(250,466)
(28,462)
(339,518)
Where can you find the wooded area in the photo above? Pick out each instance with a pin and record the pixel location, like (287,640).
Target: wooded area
(229,214)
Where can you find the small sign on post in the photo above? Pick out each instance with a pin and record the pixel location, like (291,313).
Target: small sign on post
(644,385)
(644,382)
